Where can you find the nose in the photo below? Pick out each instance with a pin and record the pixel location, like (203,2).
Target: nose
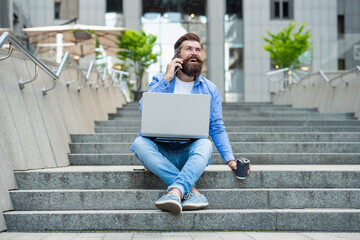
(194,52)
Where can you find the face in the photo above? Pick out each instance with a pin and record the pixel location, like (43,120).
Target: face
(191,53)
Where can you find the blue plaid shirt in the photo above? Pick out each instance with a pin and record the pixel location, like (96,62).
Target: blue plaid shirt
(216,127)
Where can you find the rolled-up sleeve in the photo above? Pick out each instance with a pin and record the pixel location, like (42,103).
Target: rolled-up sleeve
(217,129)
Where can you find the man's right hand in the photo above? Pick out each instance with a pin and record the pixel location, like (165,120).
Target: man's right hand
(170,68)
(232,164)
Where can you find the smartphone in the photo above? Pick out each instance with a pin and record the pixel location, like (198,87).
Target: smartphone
(177,55)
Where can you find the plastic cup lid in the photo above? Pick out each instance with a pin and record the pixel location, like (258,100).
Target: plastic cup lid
(243,160)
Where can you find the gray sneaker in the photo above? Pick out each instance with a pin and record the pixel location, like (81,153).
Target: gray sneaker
(170,203)
(192,201)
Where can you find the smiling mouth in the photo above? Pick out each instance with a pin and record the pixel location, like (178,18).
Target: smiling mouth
(193,60)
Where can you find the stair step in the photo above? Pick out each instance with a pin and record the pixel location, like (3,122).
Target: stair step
(137,199)
(254,147)
(230,129)
(245,118)
(246,109)
(252,122)
(134,103)
(205,220)
(251,114)
(235,137)
(305,177)
(256,158)
(214,177)
(242,104)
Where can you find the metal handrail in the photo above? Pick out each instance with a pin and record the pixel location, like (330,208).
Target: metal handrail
(357,68)
(326,79)
(13,41)
(22,83)
(66,57)
(121,73)
(9,53)
(105,77)
(110,78)
(277,71)
(268,74)
(323,75)
(89,72)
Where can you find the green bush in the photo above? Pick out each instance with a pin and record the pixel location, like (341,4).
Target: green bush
(286,47)
(137,47)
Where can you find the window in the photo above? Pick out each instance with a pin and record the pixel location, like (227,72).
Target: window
(234,51)
(282,9)
(341,24)
(66,9)
(285,9)
(341,64)
(114,6)
(277,10)
(114,16)
(234,7)
(57,10)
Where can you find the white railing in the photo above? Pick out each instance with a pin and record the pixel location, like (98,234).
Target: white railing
(13,42)
(282,78)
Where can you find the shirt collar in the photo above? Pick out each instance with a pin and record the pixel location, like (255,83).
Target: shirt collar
(196,82)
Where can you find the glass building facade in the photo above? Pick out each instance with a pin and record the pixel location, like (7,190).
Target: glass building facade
(169,20)
(234,51)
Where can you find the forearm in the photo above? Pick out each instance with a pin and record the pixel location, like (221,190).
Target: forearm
(222,143)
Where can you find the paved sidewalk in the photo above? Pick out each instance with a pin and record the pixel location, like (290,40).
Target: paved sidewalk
(181,236)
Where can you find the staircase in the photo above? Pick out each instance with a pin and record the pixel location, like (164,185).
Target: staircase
(305,177)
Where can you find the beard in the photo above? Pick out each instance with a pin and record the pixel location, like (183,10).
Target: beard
(192,69)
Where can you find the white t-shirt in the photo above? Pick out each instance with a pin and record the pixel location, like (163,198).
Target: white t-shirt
(183,87)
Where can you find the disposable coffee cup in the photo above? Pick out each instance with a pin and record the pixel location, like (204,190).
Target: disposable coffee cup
(242,167)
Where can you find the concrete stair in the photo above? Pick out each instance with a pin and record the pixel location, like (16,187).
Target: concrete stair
(305,176)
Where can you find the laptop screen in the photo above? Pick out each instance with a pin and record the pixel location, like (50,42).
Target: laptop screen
(175,116)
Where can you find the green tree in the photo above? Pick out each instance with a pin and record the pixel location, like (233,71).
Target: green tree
(137,47)
(286,47)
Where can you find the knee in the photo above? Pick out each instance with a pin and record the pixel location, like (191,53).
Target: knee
(140,144)
(137,143)
(206,144)
(204,147)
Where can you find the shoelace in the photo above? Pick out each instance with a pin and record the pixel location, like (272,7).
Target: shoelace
(177,195)
(188,195)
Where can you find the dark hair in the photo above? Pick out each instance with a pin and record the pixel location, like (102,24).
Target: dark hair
(188,36)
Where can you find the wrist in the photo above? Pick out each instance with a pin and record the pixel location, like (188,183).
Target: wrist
(230,162)
(167,78)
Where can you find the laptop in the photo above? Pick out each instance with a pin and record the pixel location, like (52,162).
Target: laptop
(178,117)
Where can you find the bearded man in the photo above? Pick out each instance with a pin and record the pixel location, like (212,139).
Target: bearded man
(180,163)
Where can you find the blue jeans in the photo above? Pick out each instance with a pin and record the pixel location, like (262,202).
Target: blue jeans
(178,165)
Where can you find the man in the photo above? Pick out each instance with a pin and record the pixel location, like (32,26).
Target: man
(180,164)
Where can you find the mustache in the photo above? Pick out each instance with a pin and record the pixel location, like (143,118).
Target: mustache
(193,56)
